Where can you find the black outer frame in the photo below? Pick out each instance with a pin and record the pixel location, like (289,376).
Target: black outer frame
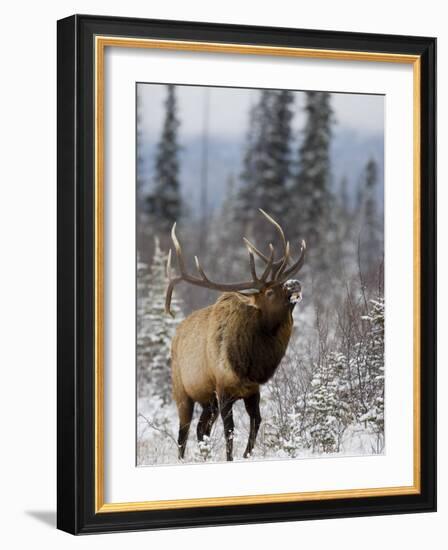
(75,172)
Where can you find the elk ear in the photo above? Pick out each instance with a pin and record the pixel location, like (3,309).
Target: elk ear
(247,298)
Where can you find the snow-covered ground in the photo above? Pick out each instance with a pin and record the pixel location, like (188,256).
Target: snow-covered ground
(325,399)
(157,426)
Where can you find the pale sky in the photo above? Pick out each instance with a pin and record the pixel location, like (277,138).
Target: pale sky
(228,111)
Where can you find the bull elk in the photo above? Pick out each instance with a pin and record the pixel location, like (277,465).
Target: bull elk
(225,351)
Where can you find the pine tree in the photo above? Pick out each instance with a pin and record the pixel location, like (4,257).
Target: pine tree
(311,191)
(165,203)
(267,163)
(155,329)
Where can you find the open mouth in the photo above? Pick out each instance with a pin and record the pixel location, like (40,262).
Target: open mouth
(294,291)
(295,298)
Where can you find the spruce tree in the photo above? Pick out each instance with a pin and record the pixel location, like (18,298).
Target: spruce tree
(165,203)
(155,329)
(311,190)
(267,163)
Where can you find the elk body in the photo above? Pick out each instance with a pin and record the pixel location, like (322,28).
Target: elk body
(224,352)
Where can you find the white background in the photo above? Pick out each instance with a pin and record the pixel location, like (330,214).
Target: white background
(28,274)
(124,482)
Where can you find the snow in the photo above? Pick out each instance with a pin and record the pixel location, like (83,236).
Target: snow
(305,414)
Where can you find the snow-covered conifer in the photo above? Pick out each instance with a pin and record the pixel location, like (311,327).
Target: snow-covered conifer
(155,329)
(328,407)
(311,190)
(267,163)
(165,202)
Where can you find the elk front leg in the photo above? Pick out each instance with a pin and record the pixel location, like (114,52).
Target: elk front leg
(226,404)
(185,409)
(252,405)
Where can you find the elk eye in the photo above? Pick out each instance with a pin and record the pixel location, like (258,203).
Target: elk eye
(269,293)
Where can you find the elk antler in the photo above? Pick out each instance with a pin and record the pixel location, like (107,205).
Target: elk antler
(203,281)
(279,272)
(279,269)
(295,268)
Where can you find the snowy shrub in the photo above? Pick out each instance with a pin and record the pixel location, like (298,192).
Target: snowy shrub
(329,411)
(374,416)
(204,449)
(327,396)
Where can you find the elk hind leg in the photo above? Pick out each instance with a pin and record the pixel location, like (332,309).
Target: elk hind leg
(252,405)
(185,409)
(226,404)
(207,419)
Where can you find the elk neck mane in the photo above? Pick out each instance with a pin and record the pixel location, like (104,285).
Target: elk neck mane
(252,345)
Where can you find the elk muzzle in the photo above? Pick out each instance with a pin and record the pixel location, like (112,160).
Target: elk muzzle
(293,289)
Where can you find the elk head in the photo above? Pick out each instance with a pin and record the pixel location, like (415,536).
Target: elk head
(274,292)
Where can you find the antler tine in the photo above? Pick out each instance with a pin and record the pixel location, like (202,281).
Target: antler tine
(180,258)
(270,264)
(169,295)
(268,267)
(172,283)
(255,249)
(253,271)
(203,280)
(168,265)
(262,256)
(277,226)
(199,268)
(296,266)
(283,265)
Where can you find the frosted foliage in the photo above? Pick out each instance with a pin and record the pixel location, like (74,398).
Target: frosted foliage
(330,412)
(327,396)
(373,368)
(155,329)
(319,403)
(337,404)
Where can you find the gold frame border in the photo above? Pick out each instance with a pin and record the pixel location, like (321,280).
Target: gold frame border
(101,42)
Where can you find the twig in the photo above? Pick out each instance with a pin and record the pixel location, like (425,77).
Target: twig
(158,429)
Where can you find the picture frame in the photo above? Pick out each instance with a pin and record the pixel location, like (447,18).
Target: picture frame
(82,240)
